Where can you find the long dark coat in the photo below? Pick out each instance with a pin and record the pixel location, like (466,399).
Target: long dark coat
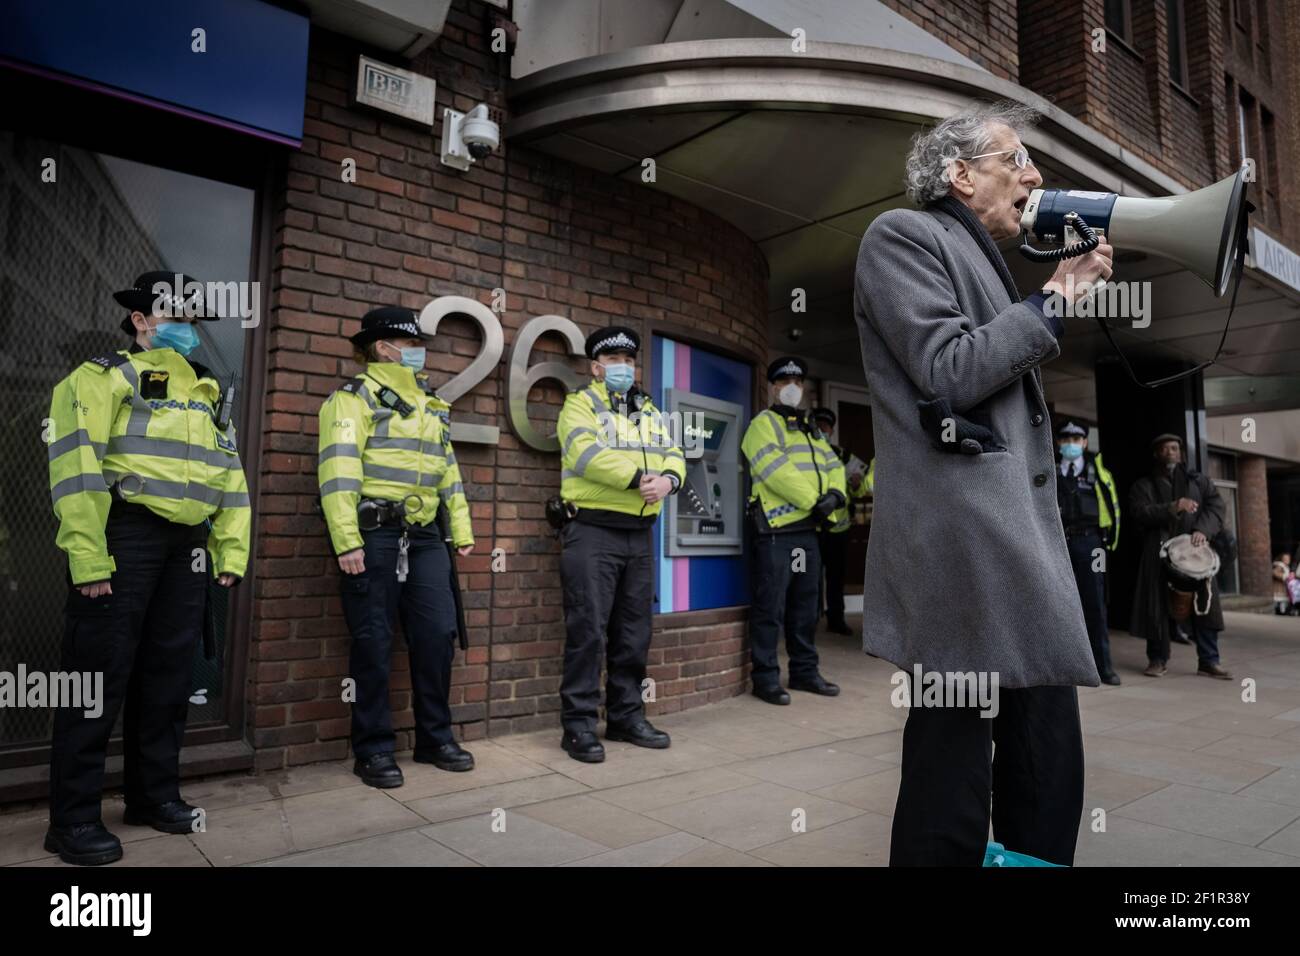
(935,321)
(1151,507)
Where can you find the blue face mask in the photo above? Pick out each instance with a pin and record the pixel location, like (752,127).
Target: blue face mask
(179,336)
(1071,451)
(618,378)
(413,358)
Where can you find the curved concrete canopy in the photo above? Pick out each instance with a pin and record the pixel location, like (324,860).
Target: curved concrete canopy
(753,74)
(802,151)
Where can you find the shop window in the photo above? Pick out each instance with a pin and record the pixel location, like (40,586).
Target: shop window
(66,247)
(1119,19)
(1176,21)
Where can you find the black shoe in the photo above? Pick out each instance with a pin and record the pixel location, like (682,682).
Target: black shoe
(584,746)
(446,757)
(1179,636)
(839,627)
(379,770)
(174,816)
(83,844)
(772,695)
(642,733)
(815,685)
(1112,679)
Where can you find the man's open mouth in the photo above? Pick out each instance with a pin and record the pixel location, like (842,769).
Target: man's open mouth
(1019,204)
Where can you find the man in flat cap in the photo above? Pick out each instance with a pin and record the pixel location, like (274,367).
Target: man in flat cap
(144,477)
(1172,500)
(797,484)
(619,464)
(1089,503)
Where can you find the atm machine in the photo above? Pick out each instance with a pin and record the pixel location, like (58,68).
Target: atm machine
(705,516)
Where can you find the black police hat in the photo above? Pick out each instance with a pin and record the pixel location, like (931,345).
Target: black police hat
(823,414)
(616,338)
(389,322)
(1070,429)
(785,366)
(141,297)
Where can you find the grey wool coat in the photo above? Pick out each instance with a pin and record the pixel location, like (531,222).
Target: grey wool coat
(967,567)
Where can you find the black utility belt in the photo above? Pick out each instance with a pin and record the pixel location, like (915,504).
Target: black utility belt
(375,513)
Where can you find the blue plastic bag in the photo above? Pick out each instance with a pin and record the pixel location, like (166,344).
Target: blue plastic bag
(995,854)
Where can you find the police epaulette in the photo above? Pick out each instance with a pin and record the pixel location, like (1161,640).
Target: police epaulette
(353,387)
(110,360)
(201,371)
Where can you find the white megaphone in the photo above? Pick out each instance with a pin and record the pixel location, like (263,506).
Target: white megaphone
(1200,230)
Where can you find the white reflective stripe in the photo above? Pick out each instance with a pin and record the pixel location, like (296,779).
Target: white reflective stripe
(400,475)
(574,434)
(176,490)
(234,499)
(772,466)
(77,439)
(77,483)
(166,448)
(338,450)
(337,485)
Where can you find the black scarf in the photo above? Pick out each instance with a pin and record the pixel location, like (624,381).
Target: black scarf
(962,213)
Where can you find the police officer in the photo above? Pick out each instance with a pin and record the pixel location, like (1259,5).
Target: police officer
(386,466)
(619,464)
(833,539)
(151,501)
(798,484)
(1085,492)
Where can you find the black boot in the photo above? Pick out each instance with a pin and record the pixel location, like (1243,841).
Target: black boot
(379,770)
(174,816)
(640,732)
(839,627)
(772,695)
(447,757)
(583,746)
(815,685)
(83,844)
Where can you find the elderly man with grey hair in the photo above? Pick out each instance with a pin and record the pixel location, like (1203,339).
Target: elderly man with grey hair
(966,465)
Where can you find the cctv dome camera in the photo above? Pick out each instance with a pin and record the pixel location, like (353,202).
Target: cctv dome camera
(468,137)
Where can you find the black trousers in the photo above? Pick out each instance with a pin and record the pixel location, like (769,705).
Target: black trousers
(142,638)
(786,578)
(608,580)
(834,548)
(1092,593)
(1034,778)
(372,602)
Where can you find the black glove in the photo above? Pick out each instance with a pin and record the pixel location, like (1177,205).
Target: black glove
(967,436)
(828,503)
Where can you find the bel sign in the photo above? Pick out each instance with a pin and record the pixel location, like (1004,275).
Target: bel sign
(394,90)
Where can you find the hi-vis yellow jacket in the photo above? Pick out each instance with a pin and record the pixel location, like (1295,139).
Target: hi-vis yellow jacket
(789,468)
(144,422)
(603,448)
(370,450)
(840,517)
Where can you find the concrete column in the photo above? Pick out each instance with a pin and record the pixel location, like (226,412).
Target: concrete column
(1253,558)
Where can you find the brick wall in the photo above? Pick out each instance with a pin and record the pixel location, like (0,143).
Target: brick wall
(1254,560)
(983,30)
(558,239)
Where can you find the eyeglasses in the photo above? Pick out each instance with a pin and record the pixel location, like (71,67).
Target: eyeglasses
(1020,156)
